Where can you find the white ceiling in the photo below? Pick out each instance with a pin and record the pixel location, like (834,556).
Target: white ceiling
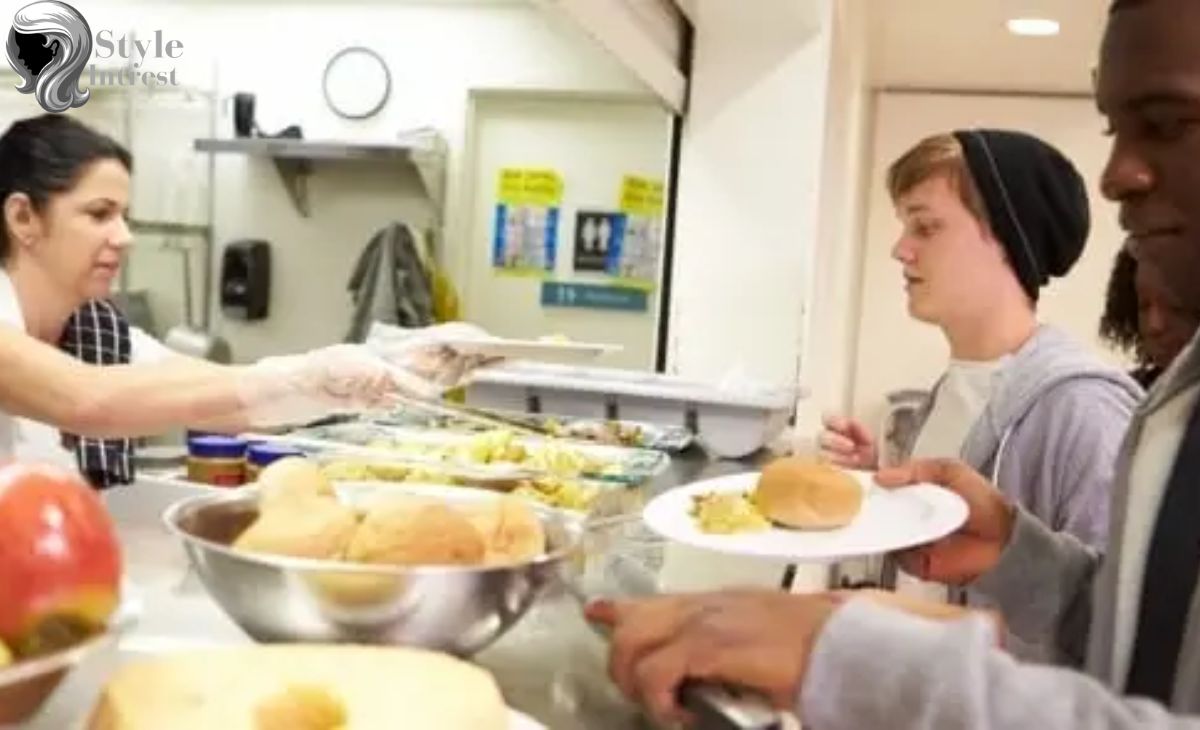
(963,44)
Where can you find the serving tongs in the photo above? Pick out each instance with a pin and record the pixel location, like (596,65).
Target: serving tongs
(447,409)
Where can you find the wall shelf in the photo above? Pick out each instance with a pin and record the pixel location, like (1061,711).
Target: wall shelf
(294,160)
(169,228)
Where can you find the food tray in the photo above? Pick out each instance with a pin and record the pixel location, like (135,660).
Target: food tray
(607,432)
(350,462)
(730,421)
(311,443)
(544,456)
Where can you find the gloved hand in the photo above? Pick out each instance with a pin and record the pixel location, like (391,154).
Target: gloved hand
(293,389)
(430,360)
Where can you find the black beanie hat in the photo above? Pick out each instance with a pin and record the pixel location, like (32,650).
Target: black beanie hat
(1036,202)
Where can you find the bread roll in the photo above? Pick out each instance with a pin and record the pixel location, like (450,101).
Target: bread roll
(416,532)
(511,530)
(807,495)
(289,480)
(301,687)
(316,528)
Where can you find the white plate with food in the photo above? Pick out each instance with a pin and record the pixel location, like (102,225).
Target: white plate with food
(833,514)
(546,349)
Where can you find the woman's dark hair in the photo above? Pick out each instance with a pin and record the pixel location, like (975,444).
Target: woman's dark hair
(45,155)
(1119,323)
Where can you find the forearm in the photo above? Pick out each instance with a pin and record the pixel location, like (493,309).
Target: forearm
(230,421)
(873,667)
(41,383)
(138,400)
(1042,585)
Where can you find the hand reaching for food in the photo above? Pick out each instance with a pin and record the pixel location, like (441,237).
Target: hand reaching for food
(430,360)
(848,443)
(297,388)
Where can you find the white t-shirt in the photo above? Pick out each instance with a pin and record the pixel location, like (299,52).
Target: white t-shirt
(24,439)
(961,399)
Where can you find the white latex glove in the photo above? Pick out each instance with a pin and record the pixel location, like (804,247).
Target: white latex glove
(430,360)
(292,389)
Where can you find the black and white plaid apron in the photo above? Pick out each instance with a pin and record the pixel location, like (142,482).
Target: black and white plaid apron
(98,334)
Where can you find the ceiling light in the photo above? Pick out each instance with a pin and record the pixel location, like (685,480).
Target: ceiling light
(1033,26)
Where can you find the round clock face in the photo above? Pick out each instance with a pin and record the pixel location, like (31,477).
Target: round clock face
(357,82)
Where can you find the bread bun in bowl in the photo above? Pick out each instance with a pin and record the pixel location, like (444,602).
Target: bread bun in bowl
(807,494)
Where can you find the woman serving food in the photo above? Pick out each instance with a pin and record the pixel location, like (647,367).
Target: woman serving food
(64,199)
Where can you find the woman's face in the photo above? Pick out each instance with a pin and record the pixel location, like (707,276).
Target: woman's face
(78,237)
(1164,323)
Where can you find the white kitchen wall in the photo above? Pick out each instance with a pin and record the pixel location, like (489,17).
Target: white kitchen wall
(751,192)
(749,188)
(833,300)
(436,51)
(896,352)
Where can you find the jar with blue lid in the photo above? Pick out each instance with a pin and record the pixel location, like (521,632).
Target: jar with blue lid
(261,454)
(217,460)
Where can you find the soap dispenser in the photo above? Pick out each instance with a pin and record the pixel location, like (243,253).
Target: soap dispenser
(246,279)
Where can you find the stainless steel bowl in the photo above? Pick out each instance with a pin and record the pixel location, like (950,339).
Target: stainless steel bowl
(279,599)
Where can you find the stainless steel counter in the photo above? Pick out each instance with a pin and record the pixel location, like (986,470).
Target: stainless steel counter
(551,666)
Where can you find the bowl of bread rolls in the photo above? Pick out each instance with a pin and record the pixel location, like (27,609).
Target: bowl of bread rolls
(295,558)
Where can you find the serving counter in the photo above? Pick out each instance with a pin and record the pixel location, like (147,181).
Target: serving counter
(550,666)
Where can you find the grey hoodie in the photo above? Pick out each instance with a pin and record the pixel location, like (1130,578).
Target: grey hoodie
(1050,433)
(874,668)
(1049,439)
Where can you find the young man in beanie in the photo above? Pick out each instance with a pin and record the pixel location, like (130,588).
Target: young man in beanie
(989,217)
(1129,620)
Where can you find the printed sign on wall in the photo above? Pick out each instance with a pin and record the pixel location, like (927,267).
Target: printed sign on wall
(634,258)
(525,229)
(594,296)
(596,234)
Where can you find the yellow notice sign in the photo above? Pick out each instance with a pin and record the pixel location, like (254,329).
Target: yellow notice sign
(529,186)
(641,196)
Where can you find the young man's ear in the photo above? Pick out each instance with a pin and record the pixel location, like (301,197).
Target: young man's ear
(21,220)
(993,240)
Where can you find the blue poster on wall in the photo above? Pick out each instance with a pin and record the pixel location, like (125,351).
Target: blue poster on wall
(525,239)
(525,228)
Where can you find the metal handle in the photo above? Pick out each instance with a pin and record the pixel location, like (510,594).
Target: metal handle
(720,707)
(453,410)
